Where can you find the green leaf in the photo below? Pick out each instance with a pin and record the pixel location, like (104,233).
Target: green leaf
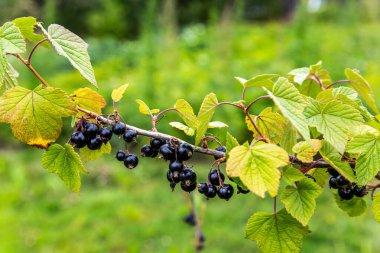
(299,200)
(291,103)
(217,124)
(305,151)
(205,114)
(187,130)
(64,162)
(289,138)
(11,40)
(270,124)
(186,112)
(353,207)
(35,115)
(332,156)
(257,167)
(88,154)
(376,207)
(264,80)
(144,109)
(299,75)
(320,175)
(71,46)
(117,94)
(89,100)
(333,120)
(231,142)
(9,79)
(279,233)
(350,93)
(26,26)
(291,174)
(362,87)
(367,145)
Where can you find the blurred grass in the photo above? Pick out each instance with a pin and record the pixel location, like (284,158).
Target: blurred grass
(134,211)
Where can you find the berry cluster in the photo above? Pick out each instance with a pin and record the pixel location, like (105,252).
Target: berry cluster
(346,190)
(90,135)
(216,186)
(130,160)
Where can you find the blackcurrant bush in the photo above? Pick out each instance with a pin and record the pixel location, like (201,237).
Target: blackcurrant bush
(156,143)
(188,176)
(94,143)
(131,161)
(225,191)
(173,176)
(105,134)
(118,128)
(202,188)
(221,149)
(188,188)
(90,130)
(147,151)
(332,183)
(184,152)
(78,139)
(213,177)
(211,191)
(176,166)
(241,190)
(359,191)
(167,152)
(341,181)
(120,155)
(129,135)
(333,172)
(346,193)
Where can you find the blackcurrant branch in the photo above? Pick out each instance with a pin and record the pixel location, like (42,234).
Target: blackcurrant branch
(337,82)
(34,48)
(30,67)
(317,80)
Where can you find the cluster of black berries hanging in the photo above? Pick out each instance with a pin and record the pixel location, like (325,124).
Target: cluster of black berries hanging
(216,186)
(346,190)
(90,135)
(130,160)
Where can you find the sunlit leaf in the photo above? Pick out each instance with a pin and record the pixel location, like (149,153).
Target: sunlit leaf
(89,100)
(264,80)
(353,207)
(117,94)
(305,151)
(187,130)
(144,109)
(11,40)
(217,124)
(186,112)
(205,114)
(88,154)
(26,26)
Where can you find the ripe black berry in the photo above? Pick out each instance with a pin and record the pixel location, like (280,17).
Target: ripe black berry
(118,128)
(147,151)
(211,191)
(190,219)
(94,143)
(346,193)
(241,190)
(333,172)
(188,188)
(173,176)
(184,152)
(359,191)
(90,130)
(202,188)
(120,155)
(221,149)
(131,161)
(188,176)
(213,177)
(129,135)
(154,153)
(105,134)
(167,152)
(332,183)
(225,191)
(156,143)
(341,181)
(78,139)
(176,166)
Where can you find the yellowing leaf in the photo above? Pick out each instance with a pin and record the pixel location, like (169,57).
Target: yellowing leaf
(231,142)
(117,94)
(279,232)
(64,162)
(217,124)
(89,100)
(299,200)
(376,207)
(270,124)
(144,109)
(264,80)
(186,112)
(305,151)
(257,167)
(35,115)
(88,154)
(187,130)
(205,114)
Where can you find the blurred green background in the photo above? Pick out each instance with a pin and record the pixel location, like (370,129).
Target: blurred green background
(165,50)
